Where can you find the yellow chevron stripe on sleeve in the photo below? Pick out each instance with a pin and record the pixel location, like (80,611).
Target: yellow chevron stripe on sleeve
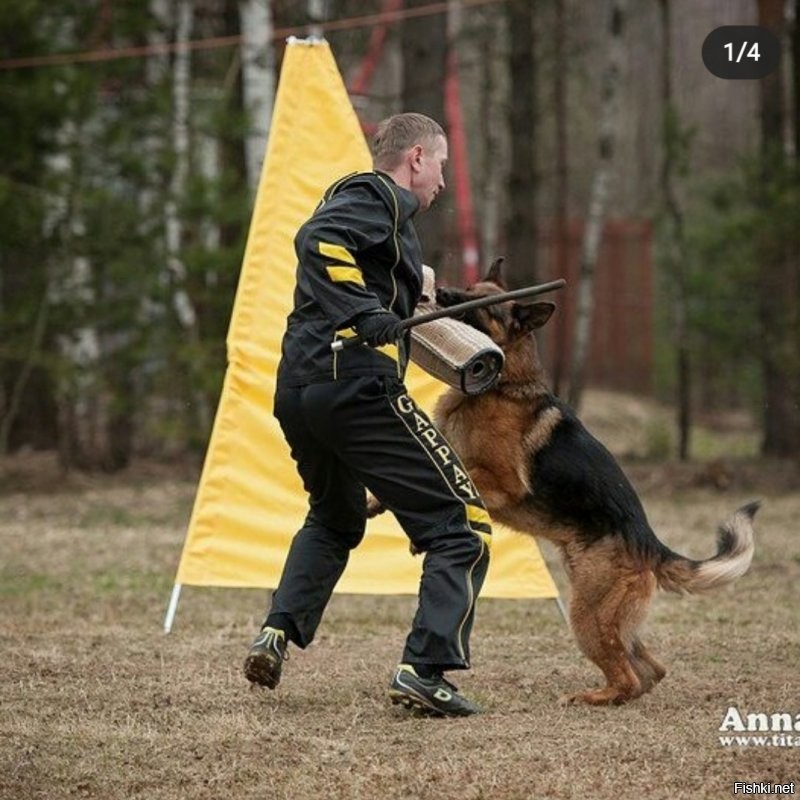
(337,252)
(345,275)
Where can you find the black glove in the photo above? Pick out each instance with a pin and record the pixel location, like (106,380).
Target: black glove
(378,327)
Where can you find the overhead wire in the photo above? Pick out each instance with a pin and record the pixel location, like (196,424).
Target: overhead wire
(163,48)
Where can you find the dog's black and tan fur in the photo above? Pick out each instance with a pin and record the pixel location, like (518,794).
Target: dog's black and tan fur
(541,472)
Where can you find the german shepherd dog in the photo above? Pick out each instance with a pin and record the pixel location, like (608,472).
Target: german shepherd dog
(541,472)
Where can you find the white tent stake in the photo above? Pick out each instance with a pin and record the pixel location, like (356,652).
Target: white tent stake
(172,607)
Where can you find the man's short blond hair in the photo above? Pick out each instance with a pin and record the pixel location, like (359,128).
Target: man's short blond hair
(397,133)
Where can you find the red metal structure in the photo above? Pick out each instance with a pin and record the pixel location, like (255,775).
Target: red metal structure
(459,162)
(622,330)
(359,86)
(621,348)
(465,215)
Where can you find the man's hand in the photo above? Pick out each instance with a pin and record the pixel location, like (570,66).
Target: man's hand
(378,327)
(374,506)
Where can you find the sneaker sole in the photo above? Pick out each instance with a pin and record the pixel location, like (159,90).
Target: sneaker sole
(418,703)
(260,669)
(415,704)
(409,697)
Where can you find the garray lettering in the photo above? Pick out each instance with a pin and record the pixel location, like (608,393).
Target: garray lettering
(434,442)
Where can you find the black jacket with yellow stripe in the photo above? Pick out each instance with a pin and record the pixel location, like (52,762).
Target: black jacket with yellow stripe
(357,253)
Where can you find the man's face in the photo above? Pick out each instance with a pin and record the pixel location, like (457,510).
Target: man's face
(427,179)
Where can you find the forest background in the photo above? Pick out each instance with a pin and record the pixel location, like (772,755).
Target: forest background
(132,136)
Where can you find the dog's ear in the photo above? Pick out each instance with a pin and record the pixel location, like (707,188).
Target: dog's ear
(531,316)
(495,273)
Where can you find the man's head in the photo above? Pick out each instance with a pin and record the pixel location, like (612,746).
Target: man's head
(412,148)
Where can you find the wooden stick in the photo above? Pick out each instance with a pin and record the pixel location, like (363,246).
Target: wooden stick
(461,308)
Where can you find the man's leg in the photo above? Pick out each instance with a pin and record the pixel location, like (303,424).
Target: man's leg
(319,551)
(334,526)
(315,562)
(396,451)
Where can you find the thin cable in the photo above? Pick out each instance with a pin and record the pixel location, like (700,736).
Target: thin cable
(349,23)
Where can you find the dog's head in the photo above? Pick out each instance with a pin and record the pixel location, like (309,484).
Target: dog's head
(504,323)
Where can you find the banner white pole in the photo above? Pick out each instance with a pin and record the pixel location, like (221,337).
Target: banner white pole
(562,608)
(172,607)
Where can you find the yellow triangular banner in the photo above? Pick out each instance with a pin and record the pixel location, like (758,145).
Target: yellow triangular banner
(250,501)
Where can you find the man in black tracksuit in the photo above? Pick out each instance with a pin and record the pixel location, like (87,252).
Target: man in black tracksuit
(351,424)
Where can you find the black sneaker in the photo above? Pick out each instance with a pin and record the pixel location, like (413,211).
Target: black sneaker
(434,695)
(265,659)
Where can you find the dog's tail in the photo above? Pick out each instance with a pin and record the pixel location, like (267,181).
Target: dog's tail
(734,554)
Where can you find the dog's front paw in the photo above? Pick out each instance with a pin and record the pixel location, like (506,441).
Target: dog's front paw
(609,696)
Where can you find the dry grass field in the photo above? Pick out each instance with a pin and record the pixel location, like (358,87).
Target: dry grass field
(96,702)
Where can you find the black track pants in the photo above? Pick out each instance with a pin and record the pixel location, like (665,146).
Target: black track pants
(358,432)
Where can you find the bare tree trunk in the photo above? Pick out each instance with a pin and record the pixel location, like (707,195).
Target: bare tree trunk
(796,77)
(491,101)
(258,81)
(424,42)
(79,413)
(459,158)
(12,406)
(778,277)
(609,116)
(562,188)
(521,224)
(677,256)
(315,11)
(184,308)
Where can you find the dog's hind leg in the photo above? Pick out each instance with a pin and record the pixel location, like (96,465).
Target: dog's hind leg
(599,622)
(649,670)
(606,649)
(632,613)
